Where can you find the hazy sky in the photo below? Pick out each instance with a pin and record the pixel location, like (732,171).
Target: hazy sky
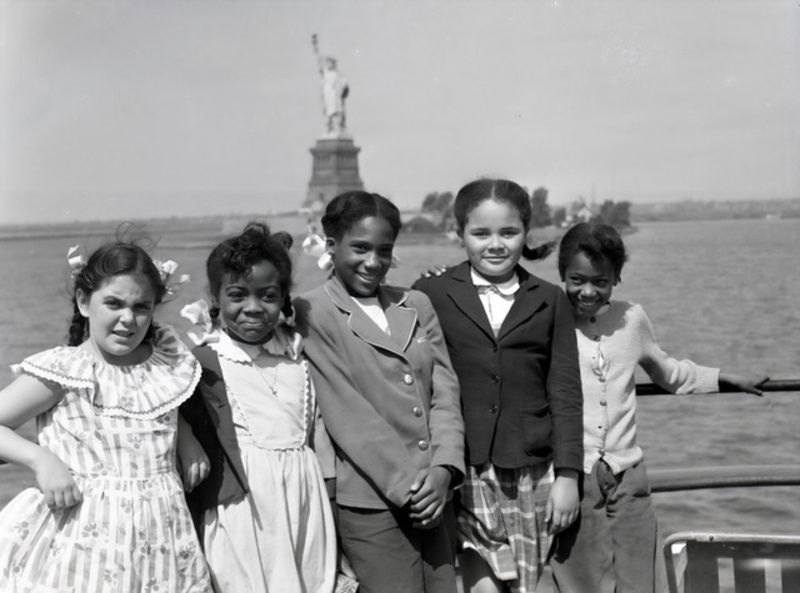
(149,108)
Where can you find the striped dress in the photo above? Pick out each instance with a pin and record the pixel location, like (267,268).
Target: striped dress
(115,428)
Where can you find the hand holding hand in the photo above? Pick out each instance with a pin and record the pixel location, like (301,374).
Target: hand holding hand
(563,504)
(55,481)
(429,497)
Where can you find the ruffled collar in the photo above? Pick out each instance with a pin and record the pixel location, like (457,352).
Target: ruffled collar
(144,390)
(284,343)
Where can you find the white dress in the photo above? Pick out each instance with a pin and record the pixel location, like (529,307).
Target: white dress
(280,537)
(116,430)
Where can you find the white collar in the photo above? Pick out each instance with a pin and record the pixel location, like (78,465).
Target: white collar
(284,342)
(507,288)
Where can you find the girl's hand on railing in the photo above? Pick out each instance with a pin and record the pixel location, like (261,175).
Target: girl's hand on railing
(748,383)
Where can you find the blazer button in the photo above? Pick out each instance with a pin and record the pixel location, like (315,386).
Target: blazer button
(495,379)
(493,408)
(423,445)
(417,411)
(408,379)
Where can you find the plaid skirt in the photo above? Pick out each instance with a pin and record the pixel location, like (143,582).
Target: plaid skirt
(501,515)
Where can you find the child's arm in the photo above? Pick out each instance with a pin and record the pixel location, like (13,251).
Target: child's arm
(25,398)
(193,463)
(429,490)
(685,376)
(563,504)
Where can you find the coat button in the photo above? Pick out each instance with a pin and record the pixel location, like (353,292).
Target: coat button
(493,408)
(408,379)
(417,411)
(423,445)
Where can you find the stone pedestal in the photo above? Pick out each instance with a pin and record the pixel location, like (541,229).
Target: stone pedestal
(334,170)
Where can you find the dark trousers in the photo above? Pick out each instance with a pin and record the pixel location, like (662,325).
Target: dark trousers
(388,555)
(612,546)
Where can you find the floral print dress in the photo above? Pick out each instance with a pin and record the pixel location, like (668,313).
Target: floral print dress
(115,428)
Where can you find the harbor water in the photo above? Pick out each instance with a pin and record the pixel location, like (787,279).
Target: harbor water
(723,293)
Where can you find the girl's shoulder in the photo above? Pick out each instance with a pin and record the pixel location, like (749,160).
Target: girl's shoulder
(69,367)
(633,313)
(161,382)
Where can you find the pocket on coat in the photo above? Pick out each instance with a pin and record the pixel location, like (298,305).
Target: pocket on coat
(537,430)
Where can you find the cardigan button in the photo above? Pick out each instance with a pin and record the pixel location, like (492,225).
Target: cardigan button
(493,408)
(408,379)
(602,402)
(423,445)
(417,411)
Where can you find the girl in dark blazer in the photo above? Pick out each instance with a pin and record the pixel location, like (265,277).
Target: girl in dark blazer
(511,339)
(389,400)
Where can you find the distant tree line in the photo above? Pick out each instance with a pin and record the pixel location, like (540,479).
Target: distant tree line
(437,212)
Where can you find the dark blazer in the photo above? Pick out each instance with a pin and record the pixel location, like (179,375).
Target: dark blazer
(388,401)
(209,413)
(520,391)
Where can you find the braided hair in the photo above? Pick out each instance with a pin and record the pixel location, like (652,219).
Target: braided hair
(238,254)
(112,259)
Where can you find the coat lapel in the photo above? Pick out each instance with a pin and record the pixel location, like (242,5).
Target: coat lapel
(528,301)
(464,295)
(402,320)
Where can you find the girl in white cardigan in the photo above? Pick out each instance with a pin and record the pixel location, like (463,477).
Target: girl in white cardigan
(612,546)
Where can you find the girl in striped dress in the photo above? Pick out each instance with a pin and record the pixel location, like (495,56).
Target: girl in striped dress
(108,514)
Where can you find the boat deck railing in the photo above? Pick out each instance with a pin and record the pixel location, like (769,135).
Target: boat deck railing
(729,476)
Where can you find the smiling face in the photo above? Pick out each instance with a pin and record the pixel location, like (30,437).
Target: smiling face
(250,304)
(119,312)
(588,284)
(363,255)
(494,236)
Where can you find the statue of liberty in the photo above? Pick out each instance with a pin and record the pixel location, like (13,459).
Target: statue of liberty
(334,92)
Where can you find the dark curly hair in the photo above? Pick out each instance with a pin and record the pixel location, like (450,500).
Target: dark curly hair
(112,259)
(597,241)
(238,254)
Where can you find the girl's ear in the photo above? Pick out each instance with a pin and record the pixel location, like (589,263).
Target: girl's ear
(82,300)
(330,245)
